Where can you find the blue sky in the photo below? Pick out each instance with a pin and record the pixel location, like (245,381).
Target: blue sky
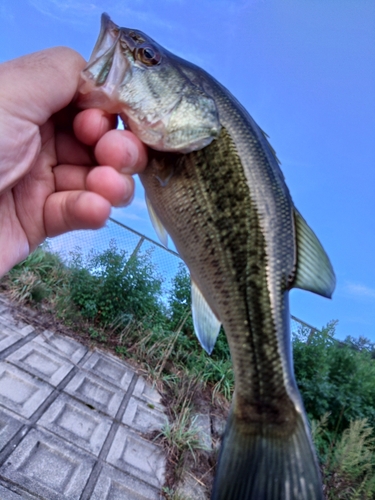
(304,69)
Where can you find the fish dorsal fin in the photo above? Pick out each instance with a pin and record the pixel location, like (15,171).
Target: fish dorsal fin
(156,222)
(267,137)
(314,270)
(206,324)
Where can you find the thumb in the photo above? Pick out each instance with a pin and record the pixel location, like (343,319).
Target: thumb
(41,83)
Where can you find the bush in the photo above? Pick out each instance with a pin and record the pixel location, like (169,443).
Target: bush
(335,377)
(108,285)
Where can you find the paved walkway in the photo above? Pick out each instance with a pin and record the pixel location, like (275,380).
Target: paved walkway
(72,420)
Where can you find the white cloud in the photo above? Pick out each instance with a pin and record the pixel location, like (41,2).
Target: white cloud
(139,203)
(67,9)
(133,217)
(123,214)
(359,290)
(78,11)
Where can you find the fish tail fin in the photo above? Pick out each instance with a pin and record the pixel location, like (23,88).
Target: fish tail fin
(267,467)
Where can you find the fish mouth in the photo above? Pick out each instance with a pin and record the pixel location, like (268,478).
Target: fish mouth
(105,70)
(108,36)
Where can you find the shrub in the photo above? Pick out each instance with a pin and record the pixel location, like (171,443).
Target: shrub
(335,377)
(108,285)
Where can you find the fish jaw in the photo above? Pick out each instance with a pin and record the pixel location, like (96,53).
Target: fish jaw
(156,101)
(105,70)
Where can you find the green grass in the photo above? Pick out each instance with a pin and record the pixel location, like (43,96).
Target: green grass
(181,436)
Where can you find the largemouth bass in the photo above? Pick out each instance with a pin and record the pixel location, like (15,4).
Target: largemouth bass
(214,184)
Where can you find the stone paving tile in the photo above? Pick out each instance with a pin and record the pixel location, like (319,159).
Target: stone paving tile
(41,362)
(114,485)
(25,330)
(202,424)
(7,320)
(146,392)
(76,447)
(3,306)
(137,456)
(143,417)
(48,466)
(6,494)
(8,324)
(76,423)
(9,335)
(10,424)
(109,368)
(8,338)
(65,346)
(17,490)
(96,392)
(21,392)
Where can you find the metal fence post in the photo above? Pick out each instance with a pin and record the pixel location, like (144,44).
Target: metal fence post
(138,246)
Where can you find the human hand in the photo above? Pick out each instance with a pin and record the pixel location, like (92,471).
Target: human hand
(60,169)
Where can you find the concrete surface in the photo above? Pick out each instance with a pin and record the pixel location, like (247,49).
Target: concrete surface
(73,421)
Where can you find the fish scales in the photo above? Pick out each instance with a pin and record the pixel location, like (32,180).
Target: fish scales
(213,183)
(227,242)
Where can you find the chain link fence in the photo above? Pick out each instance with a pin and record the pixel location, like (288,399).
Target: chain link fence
(166,262)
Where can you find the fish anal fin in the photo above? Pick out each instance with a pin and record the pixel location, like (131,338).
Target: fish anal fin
(314,270)
(266,466)
(206,324)
(157,224)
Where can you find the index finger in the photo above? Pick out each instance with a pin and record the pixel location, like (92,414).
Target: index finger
(43,82)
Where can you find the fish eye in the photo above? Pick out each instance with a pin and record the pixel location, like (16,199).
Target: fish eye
(148,55)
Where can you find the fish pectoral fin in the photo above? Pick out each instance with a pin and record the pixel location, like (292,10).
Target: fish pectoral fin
(314,270)
(206,324)
(266,466)
(157,224)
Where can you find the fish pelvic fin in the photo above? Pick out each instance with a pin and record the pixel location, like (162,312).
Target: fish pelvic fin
(157,224)
(267,467)
(206,324)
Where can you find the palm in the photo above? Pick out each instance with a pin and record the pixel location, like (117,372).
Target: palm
(50,181)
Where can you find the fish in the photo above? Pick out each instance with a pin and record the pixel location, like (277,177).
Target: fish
(214,186)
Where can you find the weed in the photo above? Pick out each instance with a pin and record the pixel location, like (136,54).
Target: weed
(36,278)
(349,461)
(171,494)
(219,373)
(181,436)
(23,286)
(94,332)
